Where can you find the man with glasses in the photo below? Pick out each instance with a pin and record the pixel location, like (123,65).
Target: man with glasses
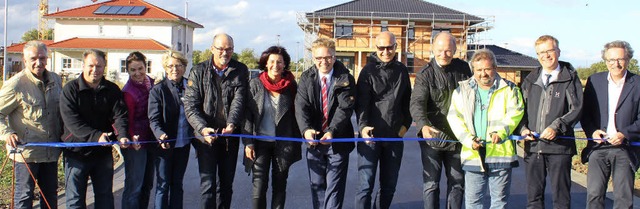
(430,102)
(324,105)
(611,155)
(383,92)
(553,98)
(214,103)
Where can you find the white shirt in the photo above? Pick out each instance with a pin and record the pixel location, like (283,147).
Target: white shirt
(614,90)
(554,75)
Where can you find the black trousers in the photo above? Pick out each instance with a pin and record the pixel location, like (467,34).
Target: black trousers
(266,157)
(558,168)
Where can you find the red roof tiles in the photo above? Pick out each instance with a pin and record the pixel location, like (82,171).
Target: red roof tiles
(109,43)
(151,12)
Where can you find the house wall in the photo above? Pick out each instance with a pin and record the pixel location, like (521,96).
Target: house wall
(159,31)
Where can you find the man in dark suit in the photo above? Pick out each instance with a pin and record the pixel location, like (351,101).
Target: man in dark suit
(610,153)
(324,105)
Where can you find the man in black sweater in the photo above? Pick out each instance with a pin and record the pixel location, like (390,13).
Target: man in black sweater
(383,90)
(93,110)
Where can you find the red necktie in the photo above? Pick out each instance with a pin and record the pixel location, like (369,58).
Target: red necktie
(325,104)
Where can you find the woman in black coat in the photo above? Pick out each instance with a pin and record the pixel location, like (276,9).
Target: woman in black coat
(270,112)
(168,121)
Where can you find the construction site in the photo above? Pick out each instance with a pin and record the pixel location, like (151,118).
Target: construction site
(355,32)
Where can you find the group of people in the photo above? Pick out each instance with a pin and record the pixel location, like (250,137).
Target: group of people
(464,111)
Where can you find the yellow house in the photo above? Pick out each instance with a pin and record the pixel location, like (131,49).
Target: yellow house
(355,24)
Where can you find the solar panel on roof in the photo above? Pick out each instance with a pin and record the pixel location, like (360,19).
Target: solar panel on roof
(125,10)
(101,9)
(113,10)
(137,10)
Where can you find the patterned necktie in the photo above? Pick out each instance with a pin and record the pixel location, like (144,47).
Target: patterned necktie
(548,80)
(325,104)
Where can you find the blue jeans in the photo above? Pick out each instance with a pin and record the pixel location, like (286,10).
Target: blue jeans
(328,176)
(389,154)
(221,159)
(77,172)
(47,176)
(138,172)
(606,163)
(497,181)
(170,167)
(433,161)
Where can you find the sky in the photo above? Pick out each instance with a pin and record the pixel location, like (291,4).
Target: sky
(581,26)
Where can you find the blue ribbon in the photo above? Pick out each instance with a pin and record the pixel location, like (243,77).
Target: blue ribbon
(338,140)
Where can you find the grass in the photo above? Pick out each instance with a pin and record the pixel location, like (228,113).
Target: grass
(5,178)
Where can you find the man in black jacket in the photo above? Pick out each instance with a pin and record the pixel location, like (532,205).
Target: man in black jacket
(383,92)
(213,102)
(92,110)
(553,101)
(430,102)
(324,105)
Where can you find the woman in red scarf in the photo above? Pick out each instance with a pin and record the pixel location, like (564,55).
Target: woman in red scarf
(270,112)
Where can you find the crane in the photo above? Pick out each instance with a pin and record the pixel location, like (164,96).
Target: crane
(43,9)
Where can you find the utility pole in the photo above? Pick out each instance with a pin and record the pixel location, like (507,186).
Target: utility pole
(4,62)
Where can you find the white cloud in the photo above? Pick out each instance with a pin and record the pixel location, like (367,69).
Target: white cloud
(282,16)
(235,10)
(202,39)
(260,39)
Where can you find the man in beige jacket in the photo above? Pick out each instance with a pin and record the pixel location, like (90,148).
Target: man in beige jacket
(29,112)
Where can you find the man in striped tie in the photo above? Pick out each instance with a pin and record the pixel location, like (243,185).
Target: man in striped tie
(324,105)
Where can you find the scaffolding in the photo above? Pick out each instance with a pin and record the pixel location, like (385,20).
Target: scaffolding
(414,31)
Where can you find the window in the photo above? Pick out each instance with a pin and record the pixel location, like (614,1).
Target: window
(66,63)
(411,33)
(384,26)
(344,30)
(410,62)
(129,30)
(148,66)
(100,28)
(123,66)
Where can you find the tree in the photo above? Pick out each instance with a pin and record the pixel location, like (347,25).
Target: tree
(32,34)
(597,67)
(200,56)
(248,58)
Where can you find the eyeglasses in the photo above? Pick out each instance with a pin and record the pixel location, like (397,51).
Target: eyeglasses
(220,49)
(612,61)
(326,59)
(548,52)
(175,66)
(388,48)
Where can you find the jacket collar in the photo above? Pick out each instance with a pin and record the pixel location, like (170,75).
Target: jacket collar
(45,77)
(565,75)
(379,64)
(82,84)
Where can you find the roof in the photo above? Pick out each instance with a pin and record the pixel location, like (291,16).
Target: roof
(152,12)
(17,48)
(109,43)
(395,9)
(506,57)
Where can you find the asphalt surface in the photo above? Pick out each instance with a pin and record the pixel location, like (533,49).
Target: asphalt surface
(408,193)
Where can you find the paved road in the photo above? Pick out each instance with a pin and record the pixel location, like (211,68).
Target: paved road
(408,194)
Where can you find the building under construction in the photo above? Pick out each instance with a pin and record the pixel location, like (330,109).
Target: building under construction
(355,24)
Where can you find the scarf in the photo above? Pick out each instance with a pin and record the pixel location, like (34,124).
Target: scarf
(280,86)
